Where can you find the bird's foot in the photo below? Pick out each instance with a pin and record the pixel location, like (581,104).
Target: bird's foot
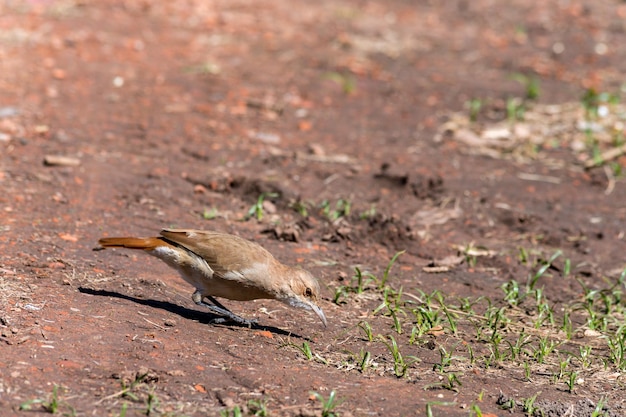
(236,319)
(228,316)
(218,308)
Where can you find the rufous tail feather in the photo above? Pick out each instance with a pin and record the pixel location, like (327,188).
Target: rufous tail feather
(145,243)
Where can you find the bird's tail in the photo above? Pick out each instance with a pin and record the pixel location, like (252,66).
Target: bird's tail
(145,243)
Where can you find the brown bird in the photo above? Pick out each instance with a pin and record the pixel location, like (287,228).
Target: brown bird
(227,266)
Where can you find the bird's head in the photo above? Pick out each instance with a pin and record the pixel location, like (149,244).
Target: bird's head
(302,291)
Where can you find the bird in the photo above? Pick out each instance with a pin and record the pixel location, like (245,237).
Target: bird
(227,266)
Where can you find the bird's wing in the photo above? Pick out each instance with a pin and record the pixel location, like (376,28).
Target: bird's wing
(223,252)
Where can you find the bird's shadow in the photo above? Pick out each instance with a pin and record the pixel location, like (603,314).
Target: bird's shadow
(187,313)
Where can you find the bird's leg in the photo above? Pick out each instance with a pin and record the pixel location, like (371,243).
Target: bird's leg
(218,308)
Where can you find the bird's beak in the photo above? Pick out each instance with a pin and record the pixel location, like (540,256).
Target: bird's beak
(319,313)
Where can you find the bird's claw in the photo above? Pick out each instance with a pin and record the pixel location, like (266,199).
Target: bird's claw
(235,319)
(226,314)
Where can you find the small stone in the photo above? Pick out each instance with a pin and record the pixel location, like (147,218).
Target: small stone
(58,73)
(60,160)
(316,149)
(269,207)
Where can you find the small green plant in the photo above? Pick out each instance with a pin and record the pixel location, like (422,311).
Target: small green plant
(530,83)
(567,268)
(517,350)
(346,81)
(617,349)
(592,102)
(342,209)
(475,411)
(210,214)
(445,361)
(544,349)
(369,213)
(383,281)
(367,329)
(301,207)
(358,284)
(527,371)
(426,318)
(515,109)
(452,382)
(258,408)
(470,353)
(512,293)
(598,411)
(400,365)
(234,412)
(329,404)
(571,379)
(152,403)
(567,326)
(127,389)
(305,349)
(507,404)
(585,356)
(560,375)
(51,405)
(452,319)
(257,209)
(529,405)
(397,324)
(532,280)
(474,106)
(365,360)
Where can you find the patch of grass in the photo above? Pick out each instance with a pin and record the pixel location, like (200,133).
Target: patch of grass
(530,83)
(400,364)
(383,281)
(341,209)
(521,330)
(301,207)
(598,411)
(257,210)
(233,412)
(358,284)
(369,213)
(360,281)
(258,408)
(328,404)
(365,360)
(52,404)
(515,109)
(593,102)
(210,214)
(474,106)
(346,81)
(529,405)
(367,329)
(306,351)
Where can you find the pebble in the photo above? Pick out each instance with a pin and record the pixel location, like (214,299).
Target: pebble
(60,160)
(8,111)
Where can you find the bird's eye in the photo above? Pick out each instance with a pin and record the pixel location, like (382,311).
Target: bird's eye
(308,292)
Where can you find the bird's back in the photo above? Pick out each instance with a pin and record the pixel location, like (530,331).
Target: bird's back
(223,252)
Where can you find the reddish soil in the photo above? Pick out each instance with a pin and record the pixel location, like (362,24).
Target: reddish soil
(182,113)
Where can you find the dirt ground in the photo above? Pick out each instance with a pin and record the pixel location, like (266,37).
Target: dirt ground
(454,131)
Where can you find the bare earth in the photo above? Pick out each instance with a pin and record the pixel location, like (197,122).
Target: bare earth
(347,125)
